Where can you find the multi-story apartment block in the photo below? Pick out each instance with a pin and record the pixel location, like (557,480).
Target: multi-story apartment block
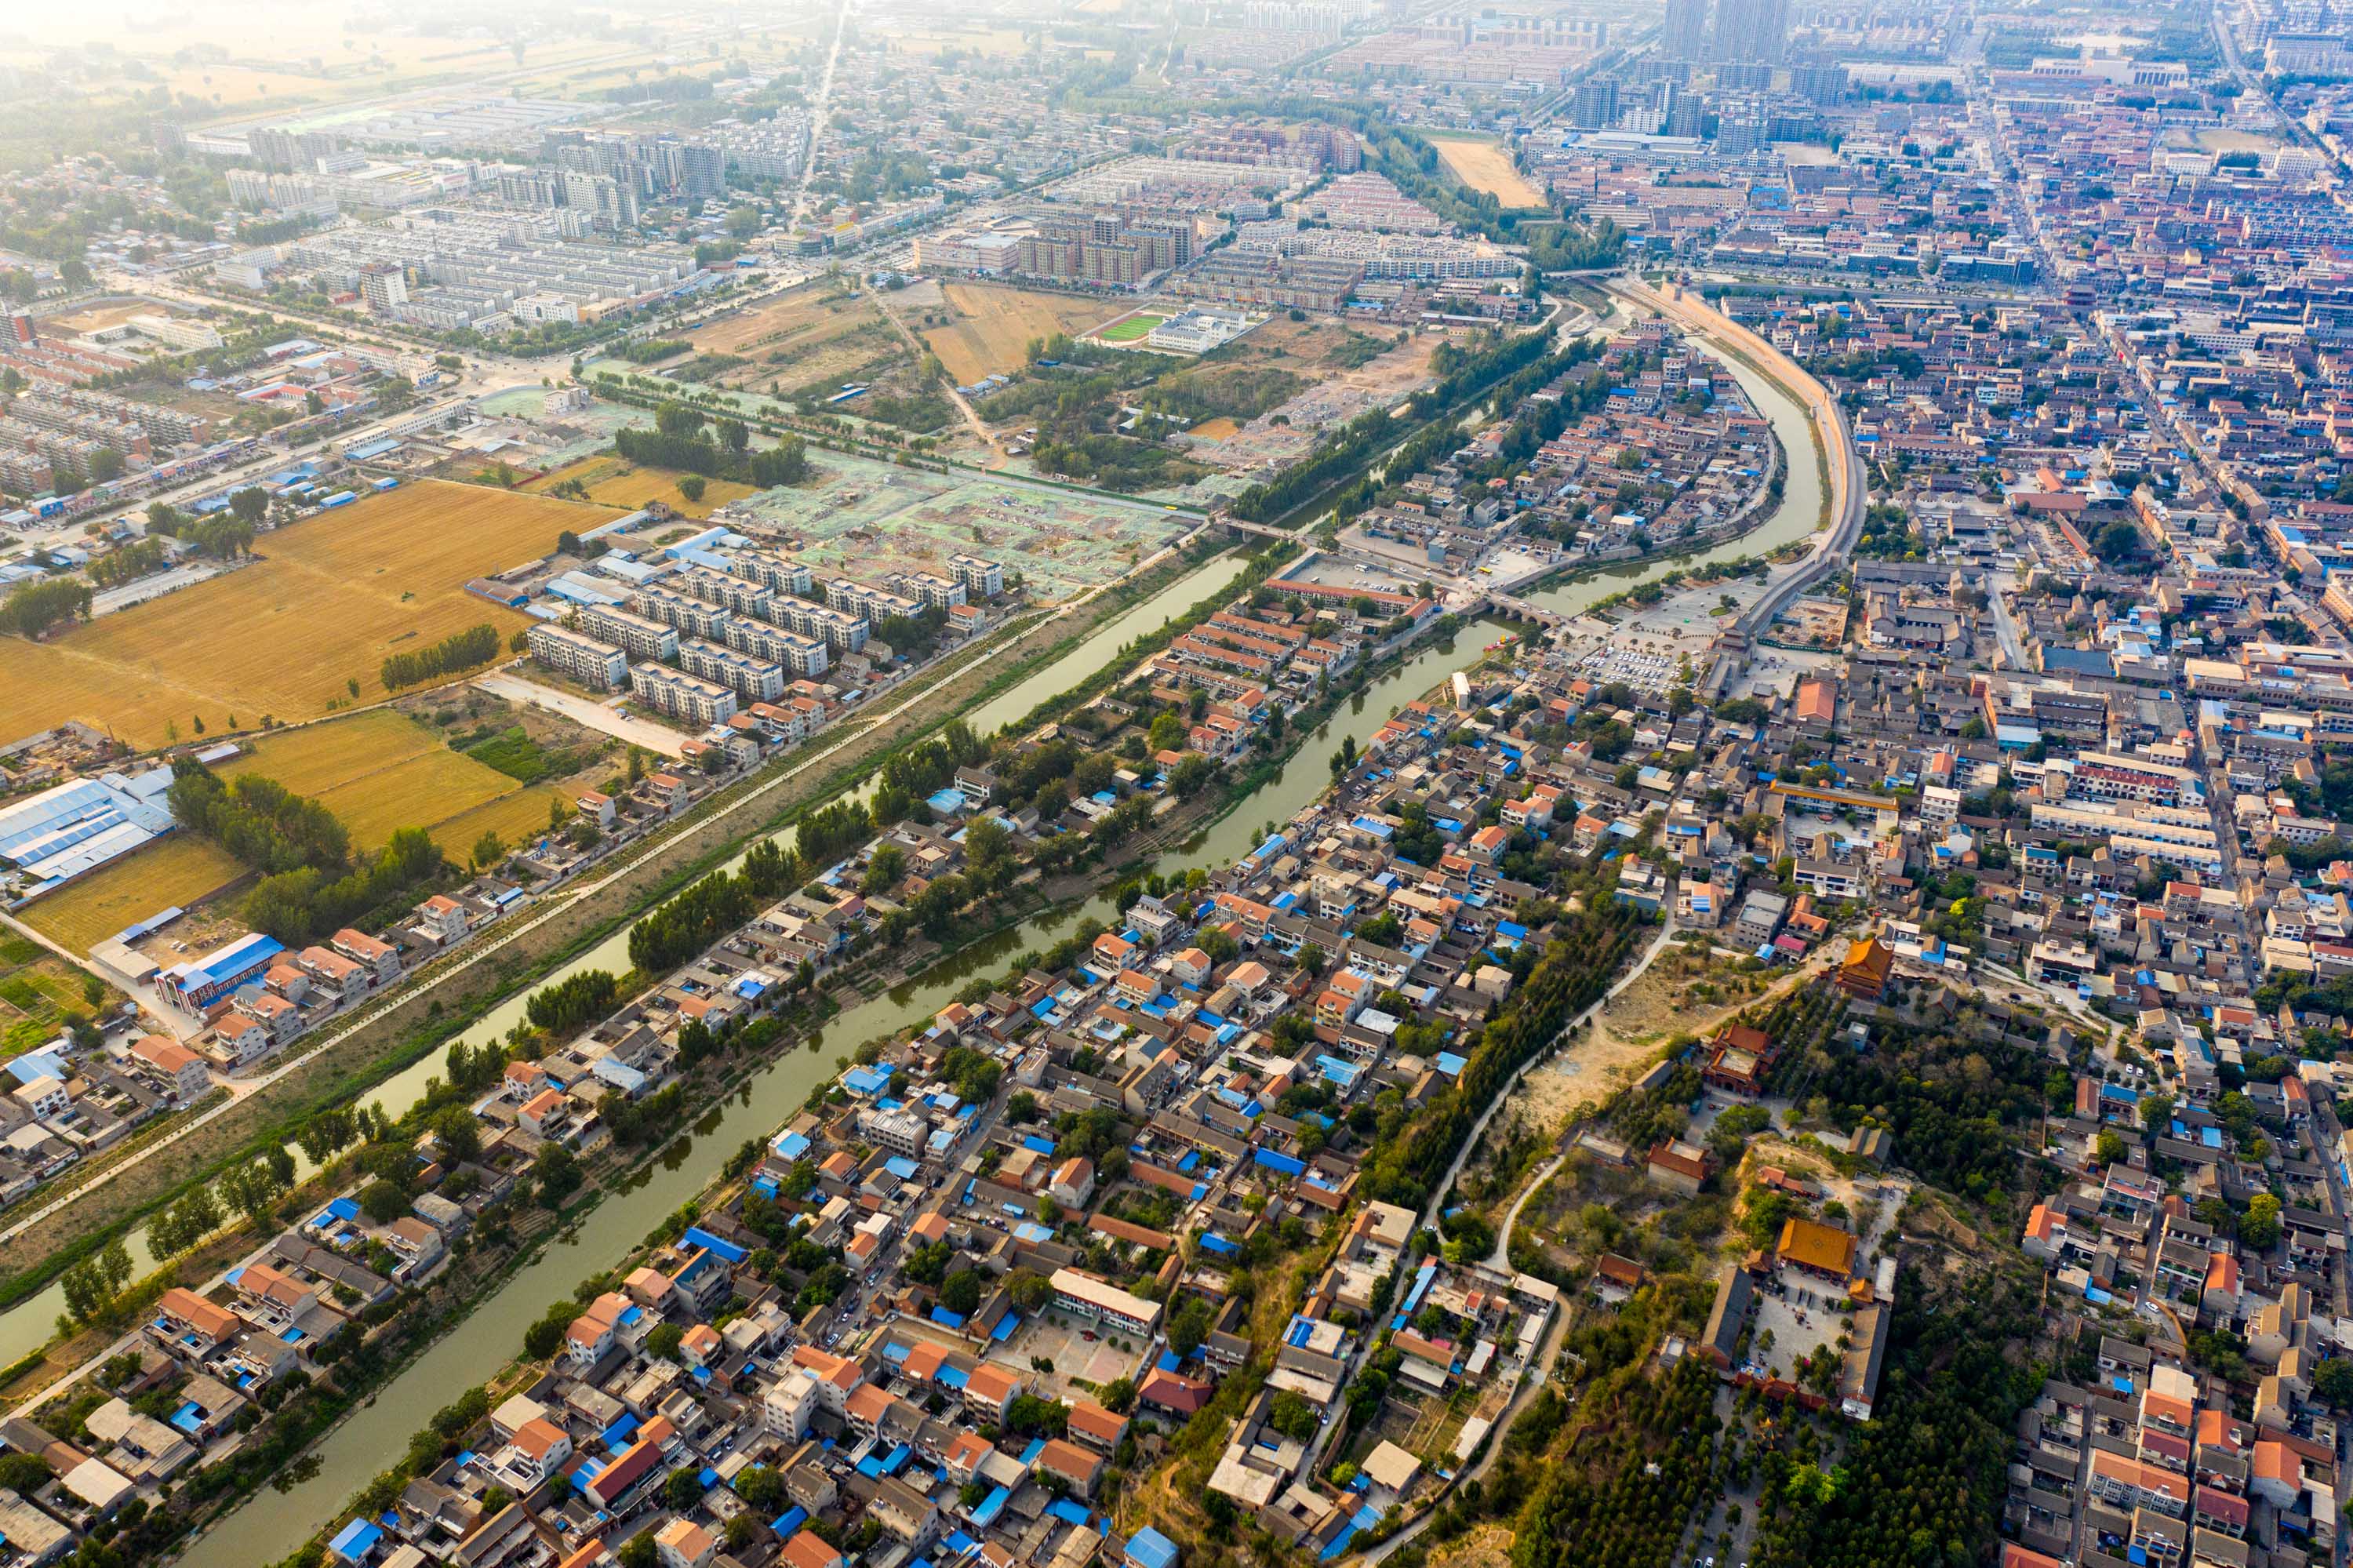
(698,617)
(933,590)
(841,630)
(981,579)
(805,657)
(752,678)
(686,698)
(579,656)
(866,599)
(739,595)
(775,572)
(637,635)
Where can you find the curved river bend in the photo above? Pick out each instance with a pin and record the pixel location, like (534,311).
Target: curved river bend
(271,1525)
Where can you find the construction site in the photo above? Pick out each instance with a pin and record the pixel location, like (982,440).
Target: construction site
(864,518)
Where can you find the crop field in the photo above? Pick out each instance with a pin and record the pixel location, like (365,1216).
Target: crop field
(1134,329)
(864,517)
(518,819)
(1484,167)
(993,42)
(612,481)
(327,599)
(994,327)
(179,870)
(793,330)
(378,771)
(37,990)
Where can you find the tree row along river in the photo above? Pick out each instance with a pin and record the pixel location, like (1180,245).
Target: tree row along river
(271,1525)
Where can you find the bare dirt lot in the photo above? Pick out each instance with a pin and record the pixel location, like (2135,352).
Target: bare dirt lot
(995,325)
(1484,167)
(814,335)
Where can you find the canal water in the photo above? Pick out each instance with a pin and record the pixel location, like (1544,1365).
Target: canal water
(272,1524)
(26,1326)
(1799,515)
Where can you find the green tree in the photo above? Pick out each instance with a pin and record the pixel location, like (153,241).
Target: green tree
(1188,1325)
(2259,1227)
(557,1174)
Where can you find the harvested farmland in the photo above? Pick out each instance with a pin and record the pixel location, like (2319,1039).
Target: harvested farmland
(325,601)
(177,870)
(994,327)
(378,772)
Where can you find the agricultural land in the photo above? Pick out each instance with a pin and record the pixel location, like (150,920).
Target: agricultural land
(994,326)
(182,869)
(323,603)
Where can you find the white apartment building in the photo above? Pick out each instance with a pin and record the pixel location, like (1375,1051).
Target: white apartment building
(686,698)
(580,657)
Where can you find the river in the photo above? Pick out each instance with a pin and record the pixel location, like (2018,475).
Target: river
(1799,512)
(29,1325)
(272,1525)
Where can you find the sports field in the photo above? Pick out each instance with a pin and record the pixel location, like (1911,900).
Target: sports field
(1133,330)
(1485,166)
(614,482)
(994,326)
(179,870)
(323,605)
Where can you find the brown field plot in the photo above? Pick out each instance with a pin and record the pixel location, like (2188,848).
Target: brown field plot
(795,325)
(180,870)
(378,771)
(329,598)
(995,325)
(98,317)
(1484,167)
(518,819)
(614,482)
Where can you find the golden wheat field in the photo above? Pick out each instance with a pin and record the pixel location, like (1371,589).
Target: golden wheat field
(378,771)
(327,599)
(615,482)
(180,870)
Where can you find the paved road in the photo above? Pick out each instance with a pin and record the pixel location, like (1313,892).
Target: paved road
(819,114)
(1428,1217)
(583,711)
(2005,628)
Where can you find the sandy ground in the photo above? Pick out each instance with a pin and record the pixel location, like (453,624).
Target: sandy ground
(994,326)
(1484,167)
